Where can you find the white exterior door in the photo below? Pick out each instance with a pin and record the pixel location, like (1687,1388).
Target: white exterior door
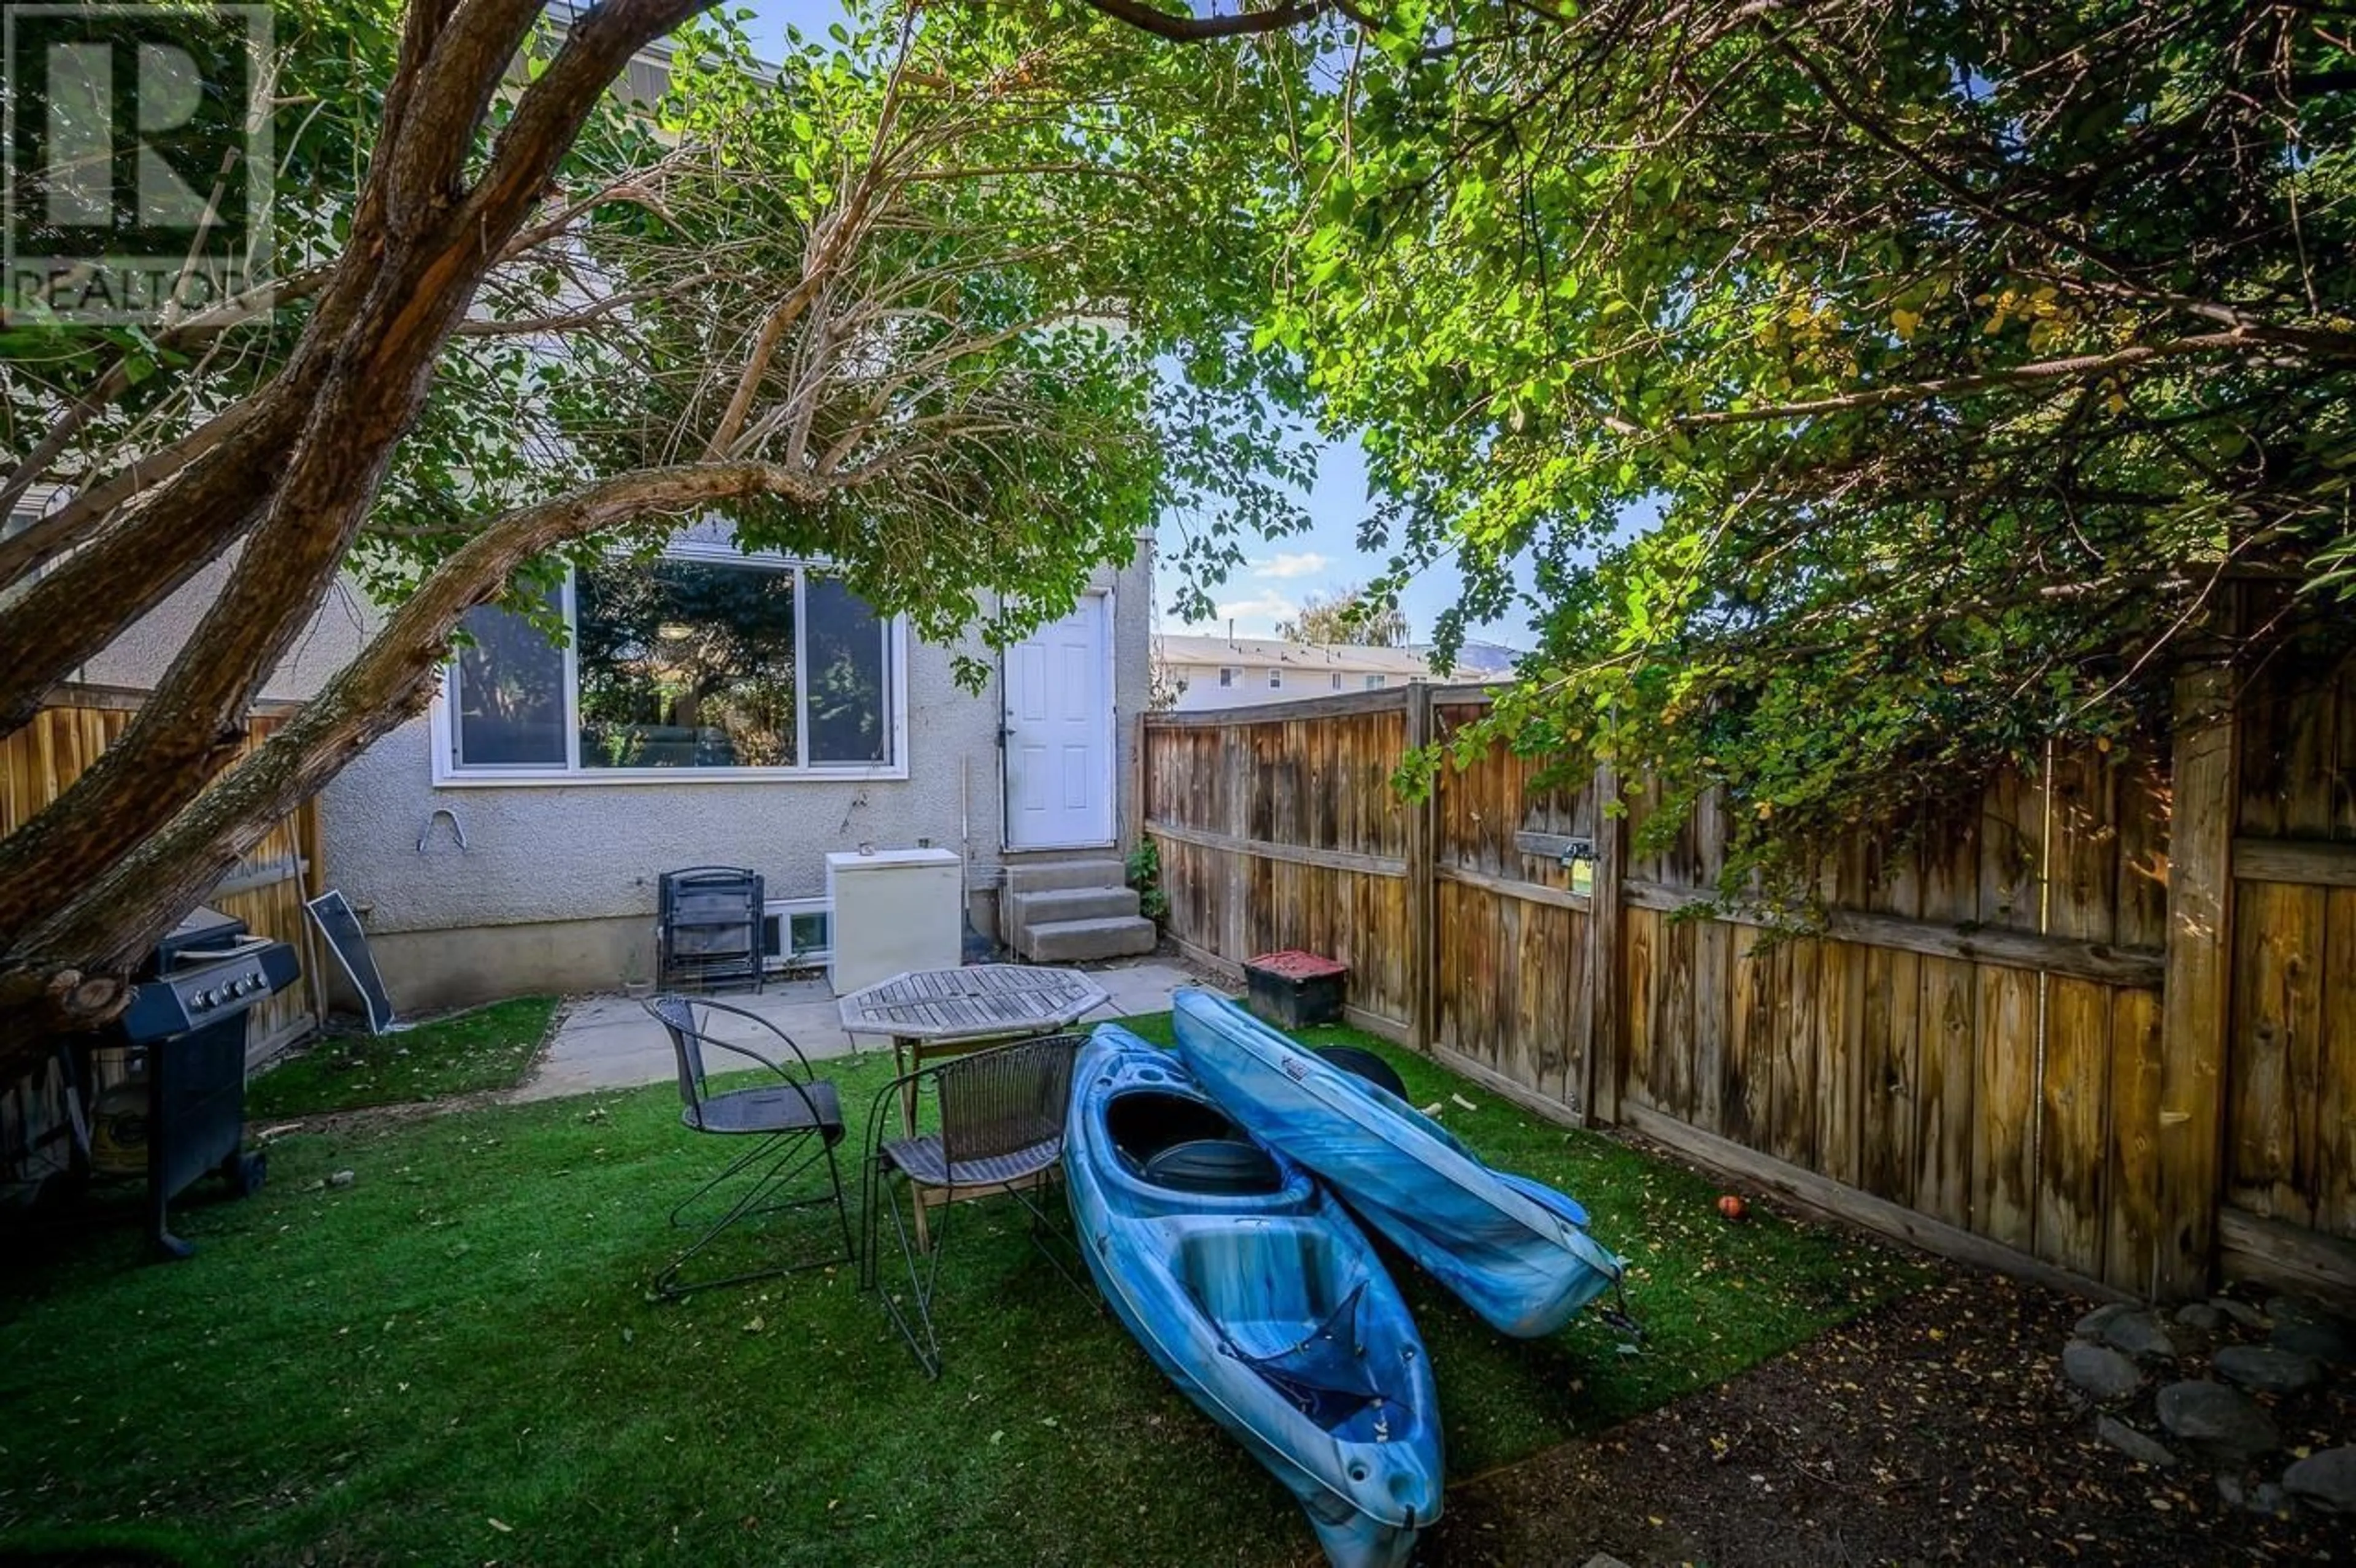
(1059,732)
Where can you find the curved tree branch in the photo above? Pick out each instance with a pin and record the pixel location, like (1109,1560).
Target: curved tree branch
(2077,368)
(115,380)
(90,511)
(369,380)
(1184,29)
(66,972)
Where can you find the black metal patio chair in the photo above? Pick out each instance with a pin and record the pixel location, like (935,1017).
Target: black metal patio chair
(708,921)
(796,1121)
(1002,1131)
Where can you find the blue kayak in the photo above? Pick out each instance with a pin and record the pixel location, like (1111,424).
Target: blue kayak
(1256,1295)
(1514,1250)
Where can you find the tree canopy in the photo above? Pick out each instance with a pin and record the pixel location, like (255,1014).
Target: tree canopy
(899,300)
(1346,615)
(1874,390)
(1871,391)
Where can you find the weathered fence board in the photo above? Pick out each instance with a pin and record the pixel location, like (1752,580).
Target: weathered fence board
(2288,1144)
(267,889)
(2009,1023)
(1284,832)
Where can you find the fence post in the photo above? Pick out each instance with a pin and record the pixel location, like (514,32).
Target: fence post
(1422,886)
(311,849)
(2195,1002)
(1599,1046)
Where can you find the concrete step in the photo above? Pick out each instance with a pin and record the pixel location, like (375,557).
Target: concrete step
(1117,937)
(1024,910)
(1056,876)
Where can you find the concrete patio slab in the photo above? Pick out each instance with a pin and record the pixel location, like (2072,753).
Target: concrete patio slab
(609,1042)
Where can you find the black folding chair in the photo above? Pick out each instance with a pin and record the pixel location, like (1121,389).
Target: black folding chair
(1002,1131)
(796,1122)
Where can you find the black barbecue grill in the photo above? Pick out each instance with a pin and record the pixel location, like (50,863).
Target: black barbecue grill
(185,1033)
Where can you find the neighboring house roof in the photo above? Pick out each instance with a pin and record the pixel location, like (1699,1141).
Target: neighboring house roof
(1480,658)
(1175,648)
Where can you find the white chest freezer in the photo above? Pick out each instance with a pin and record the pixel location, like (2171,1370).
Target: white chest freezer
(894,910)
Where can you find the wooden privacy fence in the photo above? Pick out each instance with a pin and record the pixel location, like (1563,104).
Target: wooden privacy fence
(2028,1036)
(266,890)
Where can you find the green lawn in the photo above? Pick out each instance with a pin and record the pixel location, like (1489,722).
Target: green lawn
(451,1358)
(488,1048)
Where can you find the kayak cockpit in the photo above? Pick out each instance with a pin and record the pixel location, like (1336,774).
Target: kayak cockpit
(1289,1305)
(1182,1143)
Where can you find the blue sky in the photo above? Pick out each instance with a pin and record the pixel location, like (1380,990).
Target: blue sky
(1281,573)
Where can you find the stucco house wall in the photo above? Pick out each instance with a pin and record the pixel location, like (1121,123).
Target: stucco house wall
(555,887)
(138,660)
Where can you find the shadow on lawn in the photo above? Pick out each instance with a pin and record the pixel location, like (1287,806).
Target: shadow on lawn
(452,1358)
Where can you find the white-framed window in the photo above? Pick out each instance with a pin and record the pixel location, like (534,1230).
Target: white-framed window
(1377,682)
(701,665)
(1337,680)
(795,933)
(1275,679)
(1226,675)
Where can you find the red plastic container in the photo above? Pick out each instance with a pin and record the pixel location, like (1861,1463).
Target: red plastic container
(1293,989)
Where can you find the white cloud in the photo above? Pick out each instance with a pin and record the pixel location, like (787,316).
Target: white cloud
(1308,564)
(1257,616)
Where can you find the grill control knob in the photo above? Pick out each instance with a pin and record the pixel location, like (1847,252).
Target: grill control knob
(202,1000)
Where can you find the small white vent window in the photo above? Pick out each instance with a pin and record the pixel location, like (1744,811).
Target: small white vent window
(796,934)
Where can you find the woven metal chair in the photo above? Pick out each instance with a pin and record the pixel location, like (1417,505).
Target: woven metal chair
(1002,1131)
(796,1121)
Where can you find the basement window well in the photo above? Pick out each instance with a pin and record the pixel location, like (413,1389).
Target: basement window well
(796,934)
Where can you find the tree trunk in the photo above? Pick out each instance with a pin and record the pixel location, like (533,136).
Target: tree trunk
(142,555)
(371,379)
(68,973)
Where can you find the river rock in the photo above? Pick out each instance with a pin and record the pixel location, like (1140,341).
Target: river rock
(2266,1369)
(2326,1481)
(2241,1312)
(2142,1335)
(2142,1448)
(2200,1316)
(2220,1420)
(2100,1370)
(2091,1325)
(2295,1309)
(2326,1341)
